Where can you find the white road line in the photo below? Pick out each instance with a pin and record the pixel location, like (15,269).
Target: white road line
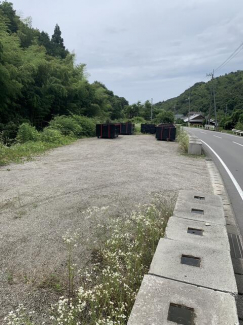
(228,171)
(217,137)
(225,133)
(238,143)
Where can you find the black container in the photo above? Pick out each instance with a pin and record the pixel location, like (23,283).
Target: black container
(148,128)
(127,128)
(107,131)
(118,128)
(166,132)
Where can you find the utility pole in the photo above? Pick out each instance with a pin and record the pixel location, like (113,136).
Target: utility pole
(174,108)
(210,107)
(151,109)
(214,100)
(189,99)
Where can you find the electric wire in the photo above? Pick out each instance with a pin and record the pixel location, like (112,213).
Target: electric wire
(237,51)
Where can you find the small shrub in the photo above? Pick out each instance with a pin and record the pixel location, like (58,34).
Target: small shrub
(8,133)
(27,133)
(138,119)
(51,135)
(239,126)
(67,125)
(87,124)
(229,124)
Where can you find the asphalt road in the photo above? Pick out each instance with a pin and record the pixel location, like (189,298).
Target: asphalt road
(226,150)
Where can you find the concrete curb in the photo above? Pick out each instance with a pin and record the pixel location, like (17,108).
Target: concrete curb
(156,295)
(193,255)
(235,238)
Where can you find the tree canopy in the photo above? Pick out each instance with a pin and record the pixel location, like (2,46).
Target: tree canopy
(39,78)
(229,97)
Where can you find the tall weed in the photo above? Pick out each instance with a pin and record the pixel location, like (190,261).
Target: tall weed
(183,139)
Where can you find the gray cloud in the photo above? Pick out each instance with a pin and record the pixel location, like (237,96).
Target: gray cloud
(145,49)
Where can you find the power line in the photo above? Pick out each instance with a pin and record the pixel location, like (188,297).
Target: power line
(237,51)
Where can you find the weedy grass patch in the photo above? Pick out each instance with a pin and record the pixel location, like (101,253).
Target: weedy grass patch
(137,129)
(62,130)
(25,151)
(108,288)
(183,139)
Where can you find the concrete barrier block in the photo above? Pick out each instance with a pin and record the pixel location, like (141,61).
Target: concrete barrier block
(196,232)
(193,264)
(239,304)
(238,265)
(199,197)
(199,212)
(162,301)
(194,148)
(239,281)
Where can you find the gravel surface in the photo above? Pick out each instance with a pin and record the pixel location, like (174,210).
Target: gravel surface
(43,198)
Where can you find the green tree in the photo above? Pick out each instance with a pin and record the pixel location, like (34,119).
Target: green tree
(39,79)
(10,15)
(164,117)
(58,43)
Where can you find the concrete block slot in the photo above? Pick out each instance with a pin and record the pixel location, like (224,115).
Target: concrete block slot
(197,211)
(195,231)
(199,197)
(190,260)
(180,314)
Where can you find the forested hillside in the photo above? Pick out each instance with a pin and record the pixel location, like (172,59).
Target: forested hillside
(39,78)
(229,96)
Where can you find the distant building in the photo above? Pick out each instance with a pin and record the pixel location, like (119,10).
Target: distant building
(195,119)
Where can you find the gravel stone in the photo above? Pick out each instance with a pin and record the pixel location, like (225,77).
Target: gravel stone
(43,198)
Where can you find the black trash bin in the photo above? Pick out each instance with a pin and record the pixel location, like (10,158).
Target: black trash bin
(127,128)
(107,131)
(118,128)
(148,128)
(166,132)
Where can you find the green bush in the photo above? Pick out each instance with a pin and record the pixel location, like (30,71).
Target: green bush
(51,135)
(27,133)
(8,133)
(67,125)
(239,126)
(87,124)
(229,124)
(164,117)
(138,119)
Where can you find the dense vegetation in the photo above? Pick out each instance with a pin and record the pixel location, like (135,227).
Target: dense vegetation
(229,99)
(39,78)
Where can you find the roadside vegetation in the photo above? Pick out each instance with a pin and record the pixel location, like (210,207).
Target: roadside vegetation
(62,130)
(107,289)
(233,121)
(182,138)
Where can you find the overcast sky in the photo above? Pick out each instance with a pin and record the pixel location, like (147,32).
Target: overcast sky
(143,49)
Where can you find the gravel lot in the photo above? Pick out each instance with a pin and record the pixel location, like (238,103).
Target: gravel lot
(43,198)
